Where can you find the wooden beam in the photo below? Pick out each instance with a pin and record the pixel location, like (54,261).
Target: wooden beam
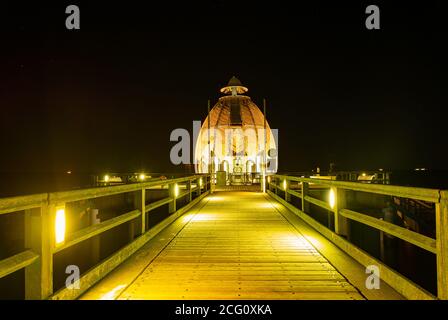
(295,193)
(442,245)
(96,229)
(404,286)
(17,262)
(158,203)
(425,194)
(415,238)
(318,202)
(100,271)
(13,204)
(39,235)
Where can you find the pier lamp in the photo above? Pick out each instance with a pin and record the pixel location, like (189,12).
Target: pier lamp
(142,177)
(285,184)
(59,225)
(332,198)
(106,178)
(176,190)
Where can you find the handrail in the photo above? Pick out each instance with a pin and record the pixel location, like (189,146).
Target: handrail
(438,246)
(40,211)
(12,204)
(425,194)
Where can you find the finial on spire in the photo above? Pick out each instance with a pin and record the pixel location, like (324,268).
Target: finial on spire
(234,87)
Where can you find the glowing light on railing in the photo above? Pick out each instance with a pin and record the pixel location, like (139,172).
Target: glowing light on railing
(176,190)
(60,226)
(142,177)
(106,178)
(332,198)
(269,179)
(200,182)
(364,174)
(284,184)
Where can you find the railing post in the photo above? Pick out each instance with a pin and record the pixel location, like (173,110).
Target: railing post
(39,232)
(442,245)
(190,196)
(286,187)
(143,209)
(340,222)
(305,204)
(198,186)
(172,194)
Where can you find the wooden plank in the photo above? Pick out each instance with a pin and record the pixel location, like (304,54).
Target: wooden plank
(294,193)
(400,283)
(158,203)
(425,194)
(17,262)
(105,267)
(82,194)
(415,238)
(318,202)
(96,229)
(13,204)
(442,245)
(239,248)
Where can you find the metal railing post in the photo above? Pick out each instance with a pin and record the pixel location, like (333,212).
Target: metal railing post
(442,245)
(39,232)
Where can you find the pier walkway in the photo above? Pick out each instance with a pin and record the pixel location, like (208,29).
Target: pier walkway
(234,245)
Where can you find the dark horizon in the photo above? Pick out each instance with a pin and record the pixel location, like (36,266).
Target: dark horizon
(105,98)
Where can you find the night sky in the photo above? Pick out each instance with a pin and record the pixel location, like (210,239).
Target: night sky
(106,97)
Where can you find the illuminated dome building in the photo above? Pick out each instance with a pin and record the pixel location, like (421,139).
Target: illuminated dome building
(237,138)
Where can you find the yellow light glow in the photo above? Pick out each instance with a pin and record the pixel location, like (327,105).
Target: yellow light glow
(60,226)
(332,198)
(106,178)
(111,295)
(284,184)
(269,179)
(203,217)
(142,177)
(215,198)
(200,182)
(176,190)
(363,174)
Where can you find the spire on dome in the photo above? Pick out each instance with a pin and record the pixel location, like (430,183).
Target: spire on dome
(234,87)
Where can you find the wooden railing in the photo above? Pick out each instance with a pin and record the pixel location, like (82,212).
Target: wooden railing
(40,243)
(342,216)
